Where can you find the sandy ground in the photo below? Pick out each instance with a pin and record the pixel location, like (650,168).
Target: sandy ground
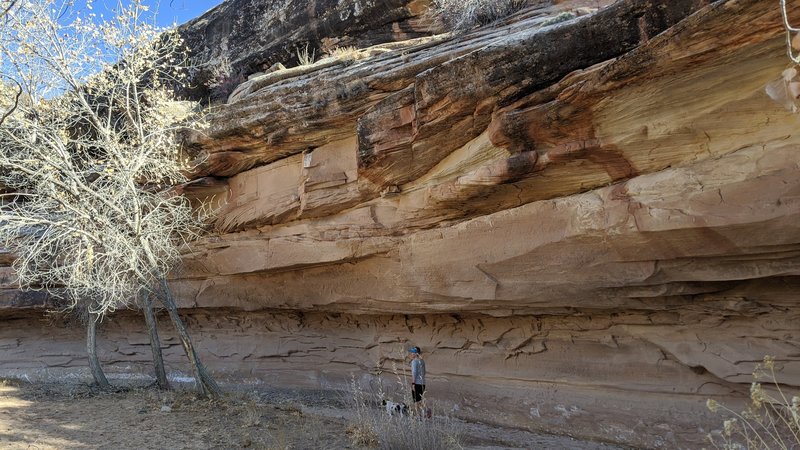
(75,416)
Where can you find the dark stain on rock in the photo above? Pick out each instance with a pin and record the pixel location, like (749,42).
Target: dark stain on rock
(386,129)
(509,130)
(351,90)
(520,166)
(613,162)
(604,35)
(366,150)
(253,34)
(29,299)
(609,157)
(277,136)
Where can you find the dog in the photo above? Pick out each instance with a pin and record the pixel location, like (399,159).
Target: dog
(392,408)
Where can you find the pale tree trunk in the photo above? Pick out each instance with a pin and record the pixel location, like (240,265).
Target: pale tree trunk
(91,348)
(203,380)
(155,342)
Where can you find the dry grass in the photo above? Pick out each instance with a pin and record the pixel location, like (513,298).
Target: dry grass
(371,426)
(463,15)
(343,54)
(349,52)
(346,55)
(304,57)
(9,382)
(770,421)
(362,434)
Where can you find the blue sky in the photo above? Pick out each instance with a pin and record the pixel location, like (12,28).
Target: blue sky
(169,11)
(181,11)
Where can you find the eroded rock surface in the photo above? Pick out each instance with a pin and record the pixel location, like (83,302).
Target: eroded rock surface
(591,225)
(251,36)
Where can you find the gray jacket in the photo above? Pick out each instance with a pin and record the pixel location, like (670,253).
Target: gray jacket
(418,371)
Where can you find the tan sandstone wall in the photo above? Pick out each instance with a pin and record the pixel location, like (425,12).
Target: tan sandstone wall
(591,226)
(632,377)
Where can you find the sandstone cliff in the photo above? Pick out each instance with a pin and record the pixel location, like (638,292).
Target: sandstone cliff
(590,224)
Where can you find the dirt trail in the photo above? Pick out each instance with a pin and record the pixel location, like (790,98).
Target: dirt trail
(74,416)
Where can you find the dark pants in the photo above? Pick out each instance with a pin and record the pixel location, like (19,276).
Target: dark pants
(417,391)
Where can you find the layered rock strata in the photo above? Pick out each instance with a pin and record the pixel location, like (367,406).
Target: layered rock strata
(240,38)
(590,225)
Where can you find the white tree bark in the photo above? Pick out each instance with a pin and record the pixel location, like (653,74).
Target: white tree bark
(91,350)
(155,342)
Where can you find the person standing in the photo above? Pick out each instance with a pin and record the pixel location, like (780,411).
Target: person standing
(417,378)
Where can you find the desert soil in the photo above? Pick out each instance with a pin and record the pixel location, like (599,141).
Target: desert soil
(75,416)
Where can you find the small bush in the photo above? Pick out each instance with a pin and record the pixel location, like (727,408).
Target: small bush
(770,421)
(348,52)
(362,434)
(251,414)
(304,57)
(463,15)
(345,54)
(223,79)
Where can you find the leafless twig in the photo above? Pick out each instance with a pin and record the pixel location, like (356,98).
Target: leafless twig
(789,30)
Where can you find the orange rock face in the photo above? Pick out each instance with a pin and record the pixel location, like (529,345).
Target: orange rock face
(589,226)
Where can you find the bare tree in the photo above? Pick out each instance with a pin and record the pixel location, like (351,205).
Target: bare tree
(5,7)
(8,99)
(88,158)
